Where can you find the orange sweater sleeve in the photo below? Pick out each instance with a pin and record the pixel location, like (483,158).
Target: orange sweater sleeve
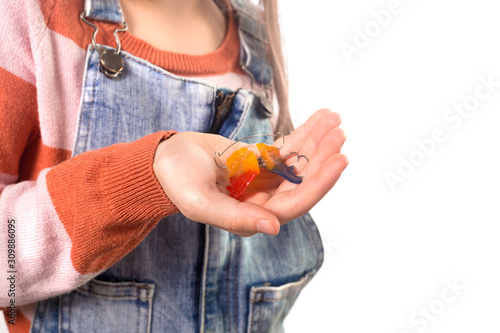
(108,200)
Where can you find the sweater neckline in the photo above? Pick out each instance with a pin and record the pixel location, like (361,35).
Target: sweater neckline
(222,60)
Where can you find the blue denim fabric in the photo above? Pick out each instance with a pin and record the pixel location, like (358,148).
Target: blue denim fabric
(246,120)
(254,41)
(184,276)
(104,10)
(143,99)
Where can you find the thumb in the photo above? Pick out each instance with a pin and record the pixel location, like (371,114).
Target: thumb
(220,210)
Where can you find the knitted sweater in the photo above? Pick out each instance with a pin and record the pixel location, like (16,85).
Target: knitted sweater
(73,217)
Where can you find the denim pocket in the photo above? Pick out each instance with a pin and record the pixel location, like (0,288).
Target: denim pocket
(100,306)
(269,305)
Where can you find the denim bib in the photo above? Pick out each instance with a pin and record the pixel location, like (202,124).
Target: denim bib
(184,276)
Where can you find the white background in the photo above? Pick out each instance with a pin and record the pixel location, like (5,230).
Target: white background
(389,253)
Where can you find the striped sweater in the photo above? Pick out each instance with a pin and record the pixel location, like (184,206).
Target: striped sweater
(74,217)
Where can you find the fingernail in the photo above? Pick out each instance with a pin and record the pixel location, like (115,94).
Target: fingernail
(265,227)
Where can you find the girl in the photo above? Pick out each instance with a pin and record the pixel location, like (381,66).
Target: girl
(119,219)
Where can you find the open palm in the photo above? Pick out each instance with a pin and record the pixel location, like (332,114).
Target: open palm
(186,170)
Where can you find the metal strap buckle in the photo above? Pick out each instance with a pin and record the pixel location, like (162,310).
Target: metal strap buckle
(110,60)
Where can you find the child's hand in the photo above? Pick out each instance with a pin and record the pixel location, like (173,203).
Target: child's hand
(185,167)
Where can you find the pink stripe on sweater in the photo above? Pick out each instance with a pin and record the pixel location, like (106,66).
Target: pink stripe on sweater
(59,88)
(18,47)
(42,57)
(43,247)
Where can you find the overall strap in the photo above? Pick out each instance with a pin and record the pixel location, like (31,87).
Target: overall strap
(251,29)
(254,41)
(104,10)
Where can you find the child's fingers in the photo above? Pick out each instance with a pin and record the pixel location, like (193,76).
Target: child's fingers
(329,146)
(218,209)
(291,204)
(311,133)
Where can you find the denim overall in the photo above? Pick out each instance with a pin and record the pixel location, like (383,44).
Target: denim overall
(184,276)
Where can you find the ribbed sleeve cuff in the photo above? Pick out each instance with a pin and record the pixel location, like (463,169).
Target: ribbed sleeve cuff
(131,188)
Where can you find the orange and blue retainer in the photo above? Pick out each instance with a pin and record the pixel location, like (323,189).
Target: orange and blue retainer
(244,165)
(271,160)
